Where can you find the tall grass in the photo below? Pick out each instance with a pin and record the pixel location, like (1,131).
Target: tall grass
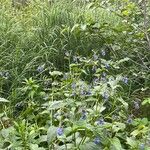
(41,33)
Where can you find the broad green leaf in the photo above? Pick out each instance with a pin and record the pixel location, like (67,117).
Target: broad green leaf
(117,126)
(131,142)
(51,134)
(56,105)
(146,101)
(90,146)
(115,144)
(135,133)
(63,147)
(42,138)
(35,147)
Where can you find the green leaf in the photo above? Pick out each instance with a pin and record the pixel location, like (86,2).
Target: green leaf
(135,133)
(131,142)
(115,144)
(35,147)
(56,105)
(118,126)
(125,104)
(123,60)
(42,138)
(3,100)
(146,101)
(69,147)
(83,27)
(51,134)
(55,73)
(90,146)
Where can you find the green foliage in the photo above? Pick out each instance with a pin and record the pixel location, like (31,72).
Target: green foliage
(74,75)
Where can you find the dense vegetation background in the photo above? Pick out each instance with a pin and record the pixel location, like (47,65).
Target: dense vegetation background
(75,75)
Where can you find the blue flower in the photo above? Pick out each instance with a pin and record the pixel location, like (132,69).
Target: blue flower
(103,53)
(105,95)
(4,74)
(83,117)
(100,122)
(129,121)
(142,146)
(73,86)
(88,93)
(41,68)
(94,68)
(95,81)
(60,131)
(73,93)
(97,140)
(95,56)
(125,80)
(83,92)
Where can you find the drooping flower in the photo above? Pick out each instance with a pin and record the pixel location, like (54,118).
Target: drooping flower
(100,121)
(41,68)
(60,131)
(125,80)
(95,57)
(94,68)
(105,95)
(97,140)
(129,121)
(84,115)
(95,81)
(4,74)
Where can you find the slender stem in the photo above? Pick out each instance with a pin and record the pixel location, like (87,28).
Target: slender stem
(145,22)
(74,136)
